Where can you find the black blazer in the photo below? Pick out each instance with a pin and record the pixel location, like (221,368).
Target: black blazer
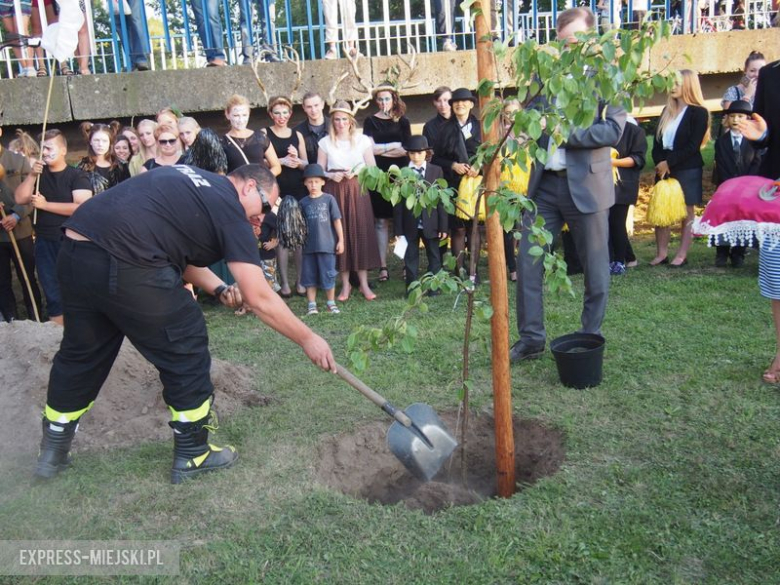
(726,162)
(632,143)
(686,152)
(433,221)
(766,105)
(446,140)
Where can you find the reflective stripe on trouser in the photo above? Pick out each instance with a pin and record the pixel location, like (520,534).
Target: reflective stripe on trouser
(64,417)
(192,415)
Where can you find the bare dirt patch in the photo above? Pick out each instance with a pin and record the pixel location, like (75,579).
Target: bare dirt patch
(359,464)
(129,409)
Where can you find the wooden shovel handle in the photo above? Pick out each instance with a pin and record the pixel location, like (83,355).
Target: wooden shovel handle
(372,395)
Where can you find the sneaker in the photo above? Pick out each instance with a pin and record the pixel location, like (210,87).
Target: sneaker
(449,46)
(312,310)
(331,54)
(28,72)
(333,309)
(617,268)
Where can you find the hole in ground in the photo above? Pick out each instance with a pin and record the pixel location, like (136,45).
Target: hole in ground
(360,464)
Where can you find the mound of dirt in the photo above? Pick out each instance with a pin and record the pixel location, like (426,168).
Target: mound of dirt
(360,464)
(129,409)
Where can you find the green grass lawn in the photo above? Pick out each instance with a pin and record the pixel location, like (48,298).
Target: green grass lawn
(671,474)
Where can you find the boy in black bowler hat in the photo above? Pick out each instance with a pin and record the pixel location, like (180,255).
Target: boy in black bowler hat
(734,157)
(431,226)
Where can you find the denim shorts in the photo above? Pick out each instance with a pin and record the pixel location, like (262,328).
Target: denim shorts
(7,8)
(46,260)
(319,270)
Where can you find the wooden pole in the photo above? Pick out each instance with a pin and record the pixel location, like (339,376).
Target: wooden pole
(502,383)
(43,132)
(21,266)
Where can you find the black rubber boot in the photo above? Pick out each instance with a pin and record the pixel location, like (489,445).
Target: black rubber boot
(55,448)
(192,453)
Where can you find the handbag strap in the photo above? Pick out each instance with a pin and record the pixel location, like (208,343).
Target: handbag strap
(241,150)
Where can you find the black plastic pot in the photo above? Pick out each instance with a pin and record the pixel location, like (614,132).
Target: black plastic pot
(579,357)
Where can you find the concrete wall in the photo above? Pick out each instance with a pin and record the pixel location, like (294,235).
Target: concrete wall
(104,97)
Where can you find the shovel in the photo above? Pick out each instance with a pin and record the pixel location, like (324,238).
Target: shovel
(417,438)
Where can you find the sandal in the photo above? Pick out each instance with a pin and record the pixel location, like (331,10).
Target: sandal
(66,70)
(384,275)
(42,72)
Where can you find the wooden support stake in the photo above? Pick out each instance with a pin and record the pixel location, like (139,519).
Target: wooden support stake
(502,383)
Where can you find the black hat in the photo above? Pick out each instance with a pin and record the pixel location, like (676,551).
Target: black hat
(461,95)
(739,107)
(314,170)
(417,143)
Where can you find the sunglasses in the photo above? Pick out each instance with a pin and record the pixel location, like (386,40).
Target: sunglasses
(168,141)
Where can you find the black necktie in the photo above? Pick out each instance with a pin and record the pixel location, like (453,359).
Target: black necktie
(420,170)
(737,155)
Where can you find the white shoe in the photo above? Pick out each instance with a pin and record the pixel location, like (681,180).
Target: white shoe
(331,54)
(28,72)
(449,46)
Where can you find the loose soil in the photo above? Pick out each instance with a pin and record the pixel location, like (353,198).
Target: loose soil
(129,409)
(360,464)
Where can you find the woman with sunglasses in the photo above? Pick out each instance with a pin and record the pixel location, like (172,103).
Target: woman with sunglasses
(290,149)
(168,148)
(100,164)
(389,129)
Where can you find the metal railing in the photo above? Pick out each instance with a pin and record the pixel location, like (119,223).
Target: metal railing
(380,30)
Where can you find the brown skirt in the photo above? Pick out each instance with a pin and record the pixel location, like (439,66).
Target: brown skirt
(361,251)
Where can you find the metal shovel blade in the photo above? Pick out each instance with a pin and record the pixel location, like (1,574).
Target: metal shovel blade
(425,445)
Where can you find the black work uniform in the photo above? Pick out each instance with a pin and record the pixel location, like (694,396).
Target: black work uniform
(127,282)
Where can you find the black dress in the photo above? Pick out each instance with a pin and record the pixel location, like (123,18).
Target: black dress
(384,131)
(290,180)
(253,148)
(102,178)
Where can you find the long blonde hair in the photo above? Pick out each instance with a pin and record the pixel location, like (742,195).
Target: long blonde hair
(691,96)
(142,150)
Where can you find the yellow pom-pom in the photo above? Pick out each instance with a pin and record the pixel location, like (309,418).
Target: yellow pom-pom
(466,202)
(615,173)
(667,204)
(515,178)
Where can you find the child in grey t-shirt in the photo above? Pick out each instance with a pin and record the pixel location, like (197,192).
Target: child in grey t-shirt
(325,239)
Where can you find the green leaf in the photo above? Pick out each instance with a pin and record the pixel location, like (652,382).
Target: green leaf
(485,87)
(535,129)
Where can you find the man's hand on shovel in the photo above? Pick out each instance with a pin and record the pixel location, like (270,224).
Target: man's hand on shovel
(231,297)
(319,352)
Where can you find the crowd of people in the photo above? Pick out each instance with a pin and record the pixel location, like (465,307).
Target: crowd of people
(168,203)
(335,143)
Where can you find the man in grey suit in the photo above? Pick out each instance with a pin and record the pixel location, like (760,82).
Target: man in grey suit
(574,187)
